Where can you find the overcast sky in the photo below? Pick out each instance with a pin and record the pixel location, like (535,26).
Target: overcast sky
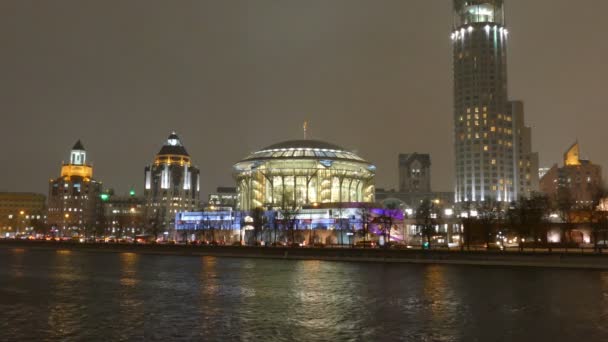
(232,76)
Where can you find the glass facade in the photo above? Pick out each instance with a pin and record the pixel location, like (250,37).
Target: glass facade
(301,173)
(478,11)
(483,120)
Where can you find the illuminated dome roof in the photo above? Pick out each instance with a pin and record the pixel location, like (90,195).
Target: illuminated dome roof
(173,146)
(302,172)
(304,149)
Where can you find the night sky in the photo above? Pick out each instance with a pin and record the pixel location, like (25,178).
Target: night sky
(234,76)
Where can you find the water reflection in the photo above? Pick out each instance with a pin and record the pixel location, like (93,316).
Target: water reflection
(129,263)
(604,291)
(209,285)
(131,306)
(440,302)
(17,266)
(96,296)
(64,312)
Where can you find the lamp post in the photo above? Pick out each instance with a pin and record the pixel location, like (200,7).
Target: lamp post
(315,205)
(65,219)
(11,219)
(20,222)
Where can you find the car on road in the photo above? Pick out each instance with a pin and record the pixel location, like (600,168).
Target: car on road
(366,244)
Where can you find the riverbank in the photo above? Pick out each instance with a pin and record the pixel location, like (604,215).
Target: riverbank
(478,258)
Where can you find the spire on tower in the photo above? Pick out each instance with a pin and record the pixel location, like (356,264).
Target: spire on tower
(305,130)
(78,146)
(78,156)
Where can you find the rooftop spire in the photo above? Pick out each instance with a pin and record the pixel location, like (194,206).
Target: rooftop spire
(78,156)
(173,146)
(78,146)
(305,130)
(572,156)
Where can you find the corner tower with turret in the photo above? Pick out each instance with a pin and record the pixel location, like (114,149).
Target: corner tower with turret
(74,197)
(171,185)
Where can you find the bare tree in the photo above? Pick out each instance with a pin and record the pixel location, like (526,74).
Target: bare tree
(289,217)
(259,220)
(154,225)
(385,223)
(528,217)
(426,219)
(564,204)
(469,225)
(595,213)
(366,218)
(489,213)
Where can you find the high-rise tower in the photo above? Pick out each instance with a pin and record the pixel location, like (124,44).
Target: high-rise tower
(171,186)
(74,203)
(487,157)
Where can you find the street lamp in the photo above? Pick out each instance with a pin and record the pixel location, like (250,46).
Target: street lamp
(21,221)
(315,205)
(66,216)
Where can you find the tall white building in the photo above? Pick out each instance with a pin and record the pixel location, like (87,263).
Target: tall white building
(171,186)
(489,129)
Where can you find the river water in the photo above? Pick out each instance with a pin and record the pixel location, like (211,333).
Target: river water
(64,295)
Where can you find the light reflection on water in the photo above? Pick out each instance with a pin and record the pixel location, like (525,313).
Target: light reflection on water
(66,295)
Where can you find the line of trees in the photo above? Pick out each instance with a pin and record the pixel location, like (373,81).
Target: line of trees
(528,219)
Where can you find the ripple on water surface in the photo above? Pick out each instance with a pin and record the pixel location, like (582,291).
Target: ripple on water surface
(66,295)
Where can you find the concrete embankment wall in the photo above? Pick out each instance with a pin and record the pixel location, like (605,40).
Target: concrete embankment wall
(481,258)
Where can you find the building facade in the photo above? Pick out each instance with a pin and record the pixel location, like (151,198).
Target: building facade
(579,177)
(311,225)
(21,213)
(74,205)
(123,215)
(223,197)
(415,173)
(527,161)
(413,200)
(303,172)
(171,186)
(486,152)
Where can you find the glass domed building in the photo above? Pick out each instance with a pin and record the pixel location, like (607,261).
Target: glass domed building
(303,172)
